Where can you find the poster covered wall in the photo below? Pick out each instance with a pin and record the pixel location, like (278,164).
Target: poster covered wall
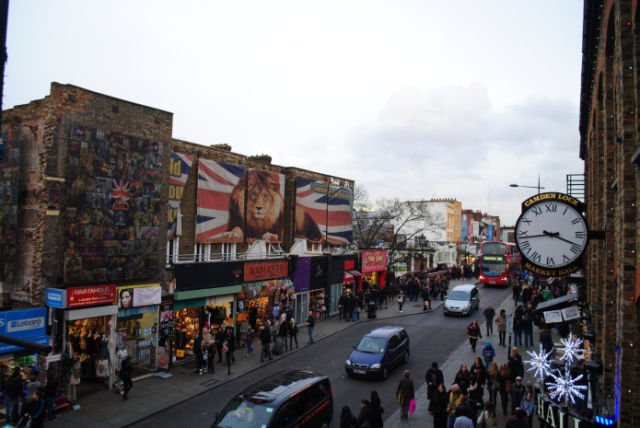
(236,204)
(323,212)
(113,213)
(9,188)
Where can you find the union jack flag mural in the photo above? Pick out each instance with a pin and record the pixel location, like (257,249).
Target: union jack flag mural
(179,169)
(323,212)
(216,183)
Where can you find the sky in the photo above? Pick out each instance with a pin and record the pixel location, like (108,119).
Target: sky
(411,99)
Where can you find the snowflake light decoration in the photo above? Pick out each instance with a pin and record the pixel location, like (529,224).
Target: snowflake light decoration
(539,362)
(565,387)
(571,350)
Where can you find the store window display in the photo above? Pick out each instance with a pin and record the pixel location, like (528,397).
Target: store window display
(187,322)
(136,337)
(88,343)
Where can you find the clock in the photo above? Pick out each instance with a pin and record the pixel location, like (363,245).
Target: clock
(551,233)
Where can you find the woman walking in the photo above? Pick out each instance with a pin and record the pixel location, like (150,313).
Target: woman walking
(504,377)
(404,394)
(293,333)
(455,398)
(376,410)
(501,323)
(488,417)
(474,333)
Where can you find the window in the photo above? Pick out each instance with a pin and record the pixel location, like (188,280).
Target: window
(202,252)
(173,250)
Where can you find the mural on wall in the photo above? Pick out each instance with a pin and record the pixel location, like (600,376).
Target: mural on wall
(113,210)
(323,212)
(9,185)
(179,169)
(236,204)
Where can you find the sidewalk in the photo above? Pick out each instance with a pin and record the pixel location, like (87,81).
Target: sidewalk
(153,394)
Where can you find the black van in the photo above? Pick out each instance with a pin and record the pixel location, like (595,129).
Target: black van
(291,398)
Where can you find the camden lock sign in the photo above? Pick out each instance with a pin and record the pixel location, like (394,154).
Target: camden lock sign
(551,415)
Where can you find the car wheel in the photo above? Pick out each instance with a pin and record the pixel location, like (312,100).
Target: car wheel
(348,373)
(405,359)
(385,373)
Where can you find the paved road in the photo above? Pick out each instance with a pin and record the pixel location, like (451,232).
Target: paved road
(433,338)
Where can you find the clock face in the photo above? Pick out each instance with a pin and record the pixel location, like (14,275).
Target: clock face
(551,234)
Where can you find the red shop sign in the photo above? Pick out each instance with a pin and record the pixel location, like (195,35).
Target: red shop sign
(78,297)
(374,261)
(258,271)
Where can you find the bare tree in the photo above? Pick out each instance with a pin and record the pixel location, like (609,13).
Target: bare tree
(394,222)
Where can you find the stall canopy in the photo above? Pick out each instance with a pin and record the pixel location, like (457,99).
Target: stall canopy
(555,309)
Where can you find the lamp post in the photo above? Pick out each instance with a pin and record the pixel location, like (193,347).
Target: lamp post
(529,187)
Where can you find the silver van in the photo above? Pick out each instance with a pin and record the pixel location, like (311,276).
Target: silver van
(462,300)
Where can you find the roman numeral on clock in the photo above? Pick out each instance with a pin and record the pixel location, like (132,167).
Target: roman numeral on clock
(535,257)
(550,261)
(581,235)
(575,249)
(523,233)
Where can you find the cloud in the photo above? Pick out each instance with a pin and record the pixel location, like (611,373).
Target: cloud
(451,142)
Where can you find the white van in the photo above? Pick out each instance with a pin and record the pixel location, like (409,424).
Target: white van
(462,300)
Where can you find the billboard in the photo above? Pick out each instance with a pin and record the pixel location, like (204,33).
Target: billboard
(323,212)
(236,204)
(179,170)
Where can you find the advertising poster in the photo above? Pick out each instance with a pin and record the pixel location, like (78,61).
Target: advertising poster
(179,170)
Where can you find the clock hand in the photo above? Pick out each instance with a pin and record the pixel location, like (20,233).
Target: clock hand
(532,236)
(565,240)
(552,234)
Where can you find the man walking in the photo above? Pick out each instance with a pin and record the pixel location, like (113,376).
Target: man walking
(265,340)
(311,323)
(125,375)
(489,314)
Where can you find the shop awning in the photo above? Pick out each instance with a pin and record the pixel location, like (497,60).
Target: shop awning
(355,273)
(556,310)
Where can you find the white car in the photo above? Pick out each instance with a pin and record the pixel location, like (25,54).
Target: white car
(462,300)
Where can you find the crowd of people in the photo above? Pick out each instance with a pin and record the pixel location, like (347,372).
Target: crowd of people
(27,401)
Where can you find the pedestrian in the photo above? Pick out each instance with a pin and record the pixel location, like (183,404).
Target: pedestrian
(475,395)
(248,341)
(355,314)
(455,398)
(13,390)
(210,349)
(230,341)
(347,420)
(400,300)
(517,392)
(462,417)
(365,417)
(199,353)
(504,377)
(433,377)
(311,323)
(265,341)
(283,333)
(527,326)
(426,297)
(528,404)
(463,378)
(493,381)
(473,332)
(488,417)
(488,353)
(404,394)
(501,323)
(35,410)
(438,406)
(478,366)
(293,333)
(517,326)
(50,395)
(516,367)
(125,375)
(489,314)
(220,336)
(376,410)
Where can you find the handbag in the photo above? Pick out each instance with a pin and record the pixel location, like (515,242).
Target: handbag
(400,399)
(482,422)
(412,406)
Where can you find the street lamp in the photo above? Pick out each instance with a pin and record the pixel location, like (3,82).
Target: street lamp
(529,187)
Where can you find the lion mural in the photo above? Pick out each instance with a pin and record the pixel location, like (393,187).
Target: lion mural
(263,215)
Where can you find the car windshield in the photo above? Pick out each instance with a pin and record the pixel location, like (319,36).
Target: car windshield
(372,345)
(458,295)
(245,414)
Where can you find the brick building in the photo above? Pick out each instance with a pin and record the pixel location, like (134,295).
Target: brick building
(135,241)
(610,148)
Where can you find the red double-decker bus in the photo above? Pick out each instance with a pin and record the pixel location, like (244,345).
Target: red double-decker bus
(498,262)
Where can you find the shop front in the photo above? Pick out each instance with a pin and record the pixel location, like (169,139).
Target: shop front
(206,295)
(342,276)
(88,336)
(29,325)
(374,267)
(310,287)
(266,293)
(137,326)
(552,415)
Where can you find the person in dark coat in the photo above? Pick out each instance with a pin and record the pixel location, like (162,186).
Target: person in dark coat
(220,337)
(516,367)
(365,417)
(405,392)
(199,353)
(283,333)
(347,420)
(463,378)
(12,393)
(474,333)
(35,409)
(376,410)
(433,378)
(265,340)
(125,375)
(489,313)
(438,406)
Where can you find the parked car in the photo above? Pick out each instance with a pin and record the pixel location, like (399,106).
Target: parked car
(378,351)
(291,398)
(462,300)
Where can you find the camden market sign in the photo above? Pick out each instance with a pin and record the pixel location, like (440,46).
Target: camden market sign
(554,416)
